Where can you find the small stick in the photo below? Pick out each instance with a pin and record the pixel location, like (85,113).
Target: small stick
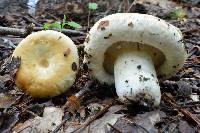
(185,112)
(88,26)
(137,125)
(31,20)
(29,29)
(190,30)
(190,115)
(114,128)
(69,32)
(79,95)
(94,117)
(15,31)
(129,9)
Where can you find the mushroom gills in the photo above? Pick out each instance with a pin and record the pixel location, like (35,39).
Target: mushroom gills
(135,78)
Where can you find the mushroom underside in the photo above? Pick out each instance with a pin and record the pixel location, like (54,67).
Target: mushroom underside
(121,47)
(134,68)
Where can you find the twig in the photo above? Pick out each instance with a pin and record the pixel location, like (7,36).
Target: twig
(190,115)
(79,95)
(31,20)
(68,32)
(94,117)
(89,128)
(137,125)
(59,126)
(130,7)
(185,112)
(191,41)
(120,7)
(189,103)
(190,30)
(52,16)
(88,26)
(15,31)
(29,29)
(114,128)
(22,129)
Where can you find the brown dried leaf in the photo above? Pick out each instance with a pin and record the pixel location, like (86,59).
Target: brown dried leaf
(52,117)
(82,112)
(7,100)
(8,121)
(11,66)
(184,88)
(73,104)
(185,128)
(3,81)
(141,123)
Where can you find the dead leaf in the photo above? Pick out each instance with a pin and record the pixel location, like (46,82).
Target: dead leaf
(140,123)
(52,117)
(184,88)
(82,112)
(98,126)
(8,121)
(94,108)
(11,66)
(185,128)
(3,81)
(7,100)
(73,104)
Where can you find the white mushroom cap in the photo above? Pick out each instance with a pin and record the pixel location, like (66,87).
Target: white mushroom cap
(49,62)
(135,30)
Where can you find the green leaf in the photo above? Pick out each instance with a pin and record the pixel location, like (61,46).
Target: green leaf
(74,24)
(178,13)
(56,25)
(46,26)
(64,19)
(92,6)
(63,22)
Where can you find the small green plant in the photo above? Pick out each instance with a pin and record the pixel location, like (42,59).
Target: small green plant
(178,14)
(92,6)
(46,26)
(73,24)
(61,25)
(56,25)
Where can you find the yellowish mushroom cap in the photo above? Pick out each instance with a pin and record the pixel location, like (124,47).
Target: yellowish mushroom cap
(49,62)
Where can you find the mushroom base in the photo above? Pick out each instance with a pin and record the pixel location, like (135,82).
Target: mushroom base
(135,78)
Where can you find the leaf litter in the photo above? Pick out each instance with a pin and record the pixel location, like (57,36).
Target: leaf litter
(21,113)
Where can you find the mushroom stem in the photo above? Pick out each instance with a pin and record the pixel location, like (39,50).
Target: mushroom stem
(135,78)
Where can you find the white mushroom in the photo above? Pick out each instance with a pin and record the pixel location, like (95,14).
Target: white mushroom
(130,49)
(49,62)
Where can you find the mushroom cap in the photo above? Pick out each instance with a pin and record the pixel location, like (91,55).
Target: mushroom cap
(49,62)
(132,31)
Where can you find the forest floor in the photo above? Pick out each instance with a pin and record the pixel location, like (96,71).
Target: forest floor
(98,109)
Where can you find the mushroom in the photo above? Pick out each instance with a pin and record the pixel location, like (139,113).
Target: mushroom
(49,62)
(130,50)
